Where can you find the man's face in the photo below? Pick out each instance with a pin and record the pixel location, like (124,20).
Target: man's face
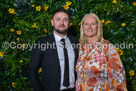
(60,22)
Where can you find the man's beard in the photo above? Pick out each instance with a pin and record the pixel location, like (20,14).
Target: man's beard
(60,31)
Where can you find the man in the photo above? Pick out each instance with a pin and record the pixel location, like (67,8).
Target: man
(57,63)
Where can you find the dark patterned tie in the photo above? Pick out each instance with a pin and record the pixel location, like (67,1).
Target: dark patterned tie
(66,70)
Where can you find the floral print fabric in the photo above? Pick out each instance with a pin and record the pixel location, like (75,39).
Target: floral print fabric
(99,68)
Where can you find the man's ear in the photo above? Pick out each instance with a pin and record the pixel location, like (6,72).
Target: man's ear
(69,24)
(52,22)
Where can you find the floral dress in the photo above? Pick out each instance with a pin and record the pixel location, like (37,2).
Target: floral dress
(99,68)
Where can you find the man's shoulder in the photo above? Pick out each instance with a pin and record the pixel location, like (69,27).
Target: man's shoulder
(73,38)
(45,38)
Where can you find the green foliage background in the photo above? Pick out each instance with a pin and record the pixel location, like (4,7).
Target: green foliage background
(12,70)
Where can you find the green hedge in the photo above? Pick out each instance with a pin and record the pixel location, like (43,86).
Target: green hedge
(23,21)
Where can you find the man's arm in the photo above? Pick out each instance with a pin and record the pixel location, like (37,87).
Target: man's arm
(35,63)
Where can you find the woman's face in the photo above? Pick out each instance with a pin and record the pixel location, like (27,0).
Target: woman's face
(90,26)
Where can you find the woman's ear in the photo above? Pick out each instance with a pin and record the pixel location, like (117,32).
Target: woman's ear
(52,22)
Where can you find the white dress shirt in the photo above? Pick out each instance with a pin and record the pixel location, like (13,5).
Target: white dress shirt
(71,56)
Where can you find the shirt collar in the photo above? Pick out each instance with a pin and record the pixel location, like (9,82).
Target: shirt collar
(58,38)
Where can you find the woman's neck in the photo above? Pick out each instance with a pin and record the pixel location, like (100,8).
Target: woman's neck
(91,40)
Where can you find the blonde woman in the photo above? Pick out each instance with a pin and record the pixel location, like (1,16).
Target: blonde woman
(99,67)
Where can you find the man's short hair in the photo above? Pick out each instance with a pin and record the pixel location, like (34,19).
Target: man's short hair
(60,10)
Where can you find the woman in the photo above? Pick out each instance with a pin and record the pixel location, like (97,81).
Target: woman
(99,67)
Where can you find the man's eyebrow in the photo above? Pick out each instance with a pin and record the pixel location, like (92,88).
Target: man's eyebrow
(60,17)
(65,18)
(57,17)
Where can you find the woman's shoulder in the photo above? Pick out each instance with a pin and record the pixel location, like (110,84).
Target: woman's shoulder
(106,41)
(108,45)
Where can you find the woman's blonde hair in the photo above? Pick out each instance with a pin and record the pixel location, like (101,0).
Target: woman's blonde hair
(83,38)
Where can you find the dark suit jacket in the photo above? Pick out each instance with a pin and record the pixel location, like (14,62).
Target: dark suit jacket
(48,60)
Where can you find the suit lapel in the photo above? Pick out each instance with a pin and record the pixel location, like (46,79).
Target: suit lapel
(74,47)
(55,53)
